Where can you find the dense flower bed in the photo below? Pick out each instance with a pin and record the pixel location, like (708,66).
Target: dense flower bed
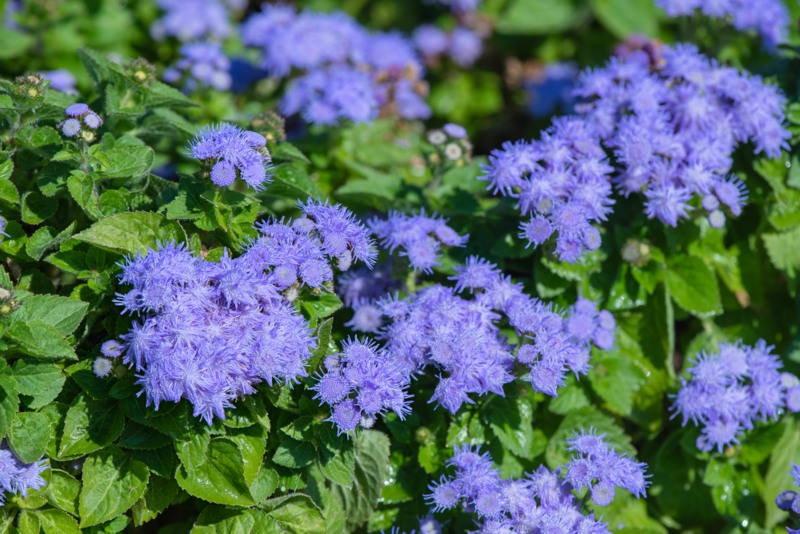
(518,266)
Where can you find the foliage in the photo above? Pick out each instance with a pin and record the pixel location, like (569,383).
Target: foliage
(79,202)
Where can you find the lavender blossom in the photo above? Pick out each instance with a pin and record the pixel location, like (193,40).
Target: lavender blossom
(19,477)
(233,152)
(360,384)
(542,501)
(343,72)
(329,96)
(210,332)
(61,80)
(201,65)
(673,131)
(192,20)
(599,468)
(729,391)
(80,122)
(769,18)
(419,237)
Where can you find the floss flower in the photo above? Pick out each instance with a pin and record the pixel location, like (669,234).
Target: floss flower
(201,65)
(599,468)
(361,383)
(672,123)
(339,70)
(769,18)
(232,152)
(731,390)
(210,332)
(191,20)
(419,237)
(80,122)
(542,501)
(18,477)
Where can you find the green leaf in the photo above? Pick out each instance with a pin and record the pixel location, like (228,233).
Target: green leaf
(530,17)
(36,207)
(112,483)
(62,313)
(136,436)
(161,494)
(123,162)
(292,181)
(336,457)
(14,43)
(323,306)
(693,286)
(132,232)
(28,435)
(625,18)
(42,382)
(89,425)
(63,491)
(220,520)
(296,514)
(55,521)
(783,250)
(511,420)
(81,188)
(9,403)
(28,523)
(372,466)
(161,95)
(294,454)
(39,339)
(95,64)
(786,452)
(8,191)
(219,478)
(47,238)
(616,377)
(288,152)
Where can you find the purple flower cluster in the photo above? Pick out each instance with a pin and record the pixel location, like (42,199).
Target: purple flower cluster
(340,71)
(361,383)
(19,477)
(330,95)
(550,88)
(731,390)
(192,20)
(547,344)
(562,181)
(586,325)
(542,501)
(231,151)
(81,122)
(458,337)
(361,289)
(674,131)
(460,6)
(599,468)
(419,237)
(61,80)
(672,125)
(463,45)
(201,65)
(788,500)
(769,18)
(209,332)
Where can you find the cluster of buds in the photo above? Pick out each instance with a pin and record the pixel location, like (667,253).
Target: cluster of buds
(104,365)
(82,122)
(141,70)
(271,125)
(636,252)
(31,88)
(7,302)
(451,144)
